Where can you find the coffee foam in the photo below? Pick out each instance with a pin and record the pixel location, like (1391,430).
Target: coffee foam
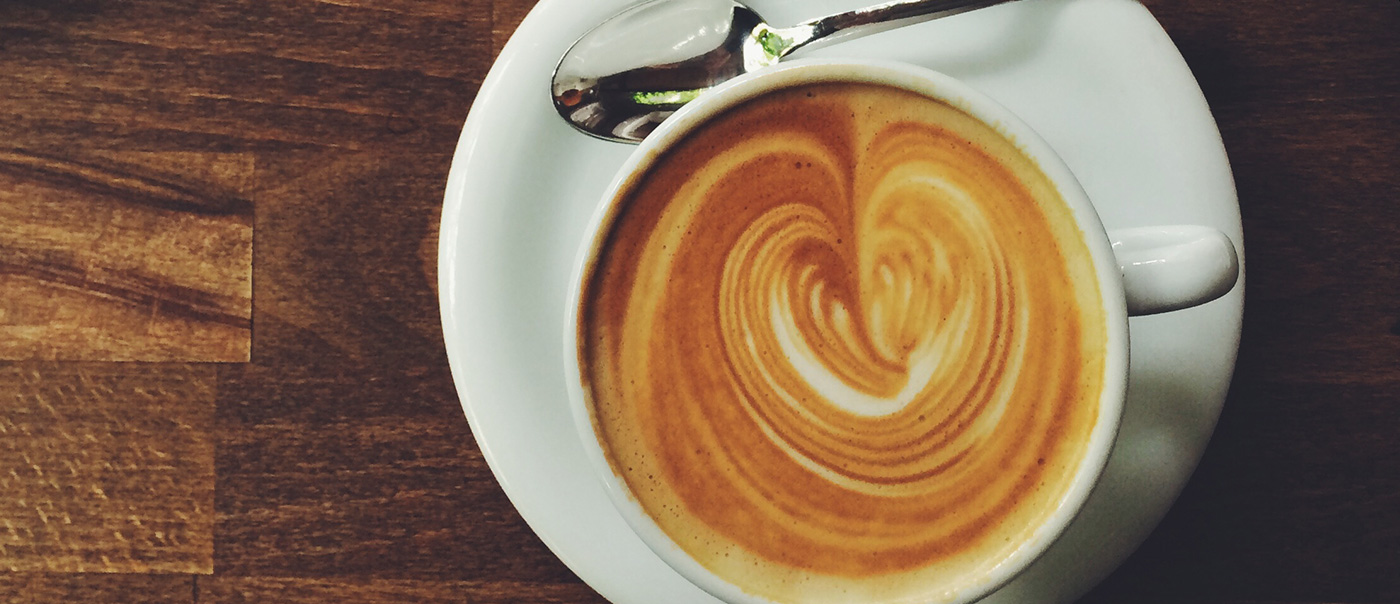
(845,342)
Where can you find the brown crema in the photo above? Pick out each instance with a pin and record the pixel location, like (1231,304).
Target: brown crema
(844,342)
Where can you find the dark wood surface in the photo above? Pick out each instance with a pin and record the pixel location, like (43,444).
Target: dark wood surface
(222,377)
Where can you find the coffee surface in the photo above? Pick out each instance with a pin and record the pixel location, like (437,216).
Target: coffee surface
(844,342)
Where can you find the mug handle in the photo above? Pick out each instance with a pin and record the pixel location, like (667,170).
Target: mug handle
(1168,268)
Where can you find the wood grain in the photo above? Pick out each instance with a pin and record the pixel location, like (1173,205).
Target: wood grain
(43,588)
(221,590)
(113,258)
(106,470)
(239,74)
(505,18)
(342,449)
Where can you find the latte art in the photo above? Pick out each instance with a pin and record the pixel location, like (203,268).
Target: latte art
(844,341)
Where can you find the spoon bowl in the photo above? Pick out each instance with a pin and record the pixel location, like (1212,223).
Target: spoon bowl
(624,77)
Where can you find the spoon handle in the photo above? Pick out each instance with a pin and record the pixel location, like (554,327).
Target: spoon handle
(879,18)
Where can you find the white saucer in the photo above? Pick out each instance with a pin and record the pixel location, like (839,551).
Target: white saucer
(1099,79)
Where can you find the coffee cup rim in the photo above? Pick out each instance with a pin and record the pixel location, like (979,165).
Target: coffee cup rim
(922,81)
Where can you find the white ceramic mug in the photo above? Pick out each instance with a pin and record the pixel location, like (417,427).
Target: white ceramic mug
(1139,271)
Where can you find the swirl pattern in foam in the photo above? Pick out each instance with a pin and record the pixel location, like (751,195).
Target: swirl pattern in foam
(845,341)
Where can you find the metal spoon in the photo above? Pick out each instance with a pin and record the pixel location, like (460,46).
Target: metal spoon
(622,78)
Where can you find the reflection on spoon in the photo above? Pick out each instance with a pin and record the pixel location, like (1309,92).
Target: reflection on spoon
(621,79)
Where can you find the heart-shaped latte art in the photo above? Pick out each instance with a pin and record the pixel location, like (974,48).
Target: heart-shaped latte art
(844,331)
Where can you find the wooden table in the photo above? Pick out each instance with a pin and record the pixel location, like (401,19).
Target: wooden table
(222,376)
